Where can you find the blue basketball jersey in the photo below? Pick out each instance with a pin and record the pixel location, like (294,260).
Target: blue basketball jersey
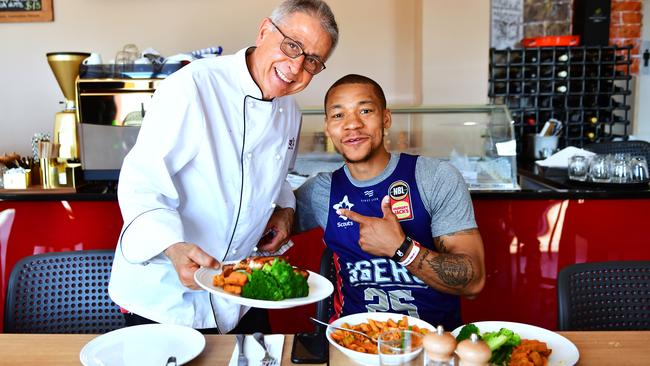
(370,283)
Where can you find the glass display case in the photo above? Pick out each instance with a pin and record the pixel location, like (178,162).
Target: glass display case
(478,140)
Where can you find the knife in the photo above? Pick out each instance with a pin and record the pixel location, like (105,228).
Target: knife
(241,359)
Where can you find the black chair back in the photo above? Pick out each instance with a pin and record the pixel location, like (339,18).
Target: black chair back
(62,292)
(325,307)
(604,296)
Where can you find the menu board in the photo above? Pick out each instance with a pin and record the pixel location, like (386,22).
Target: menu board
(12,11)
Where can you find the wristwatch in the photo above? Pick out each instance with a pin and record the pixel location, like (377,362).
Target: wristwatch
(403,249)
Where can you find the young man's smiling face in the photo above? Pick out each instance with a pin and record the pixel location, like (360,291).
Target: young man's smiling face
(276,73)
(355,121)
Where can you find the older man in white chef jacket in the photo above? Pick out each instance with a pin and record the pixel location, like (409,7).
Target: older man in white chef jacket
(207,176)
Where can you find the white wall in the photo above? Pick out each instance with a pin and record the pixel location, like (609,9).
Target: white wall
(420,51)
(455,45)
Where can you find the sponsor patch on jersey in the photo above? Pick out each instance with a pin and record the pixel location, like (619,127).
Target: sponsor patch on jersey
(400,200)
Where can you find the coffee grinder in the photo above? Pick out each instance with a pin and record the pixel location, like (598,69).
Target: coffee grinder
(65,66)
(61,168)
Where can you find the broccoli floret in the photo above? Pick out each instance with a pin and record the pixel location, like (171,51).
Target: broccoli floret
(263,286)
(276,281)
(495,340)
(467,331)
(501,344)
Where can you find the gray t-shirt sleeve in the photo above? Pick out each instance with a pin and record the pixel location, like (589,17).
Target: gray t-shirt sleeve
(445,195)
(312,202)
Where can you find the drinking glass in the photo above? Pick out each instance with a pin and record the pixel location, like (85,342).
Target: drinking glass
(599,169)
(578,167)
(400,347)
(639,167)
(621,169)
(132,51)
(123,61)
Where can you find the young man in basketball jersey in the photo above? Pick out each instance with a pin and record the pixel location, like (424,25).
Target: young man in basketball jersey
(401,227)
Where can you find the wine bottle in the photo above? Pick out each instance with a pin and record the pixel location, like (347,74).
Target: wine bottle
(546,72)
(544,102)
(498,73)
(562,74)
(591,136)
(575,117)
(515,88)
(531,57)
(591,86)
(499,88)
(545,86)
(530,87)
(563,57)
(577,71)
(515,73)
(591,71)
(515,57)
(561,88)
(591,132)
(592,119)
(530,72)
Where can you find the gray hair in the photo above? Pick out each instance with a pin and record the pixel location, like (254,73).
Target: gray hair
(316,8)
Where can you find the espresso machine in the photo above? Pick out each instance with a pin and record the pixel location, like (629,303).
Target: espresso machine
(65,66)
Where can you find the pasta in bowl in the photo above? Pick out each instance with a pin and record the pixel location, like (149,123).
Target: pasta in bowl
(361,349)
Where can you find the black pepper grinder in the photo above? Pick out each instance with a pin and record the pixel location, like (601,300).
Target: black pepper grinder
(440,346)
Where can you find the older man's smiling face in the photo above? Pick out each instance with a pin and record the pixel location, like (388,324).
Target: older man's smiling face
(276,73)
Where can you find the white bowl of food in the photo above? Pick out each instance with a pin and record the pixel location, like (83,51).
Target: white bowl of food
(355,320)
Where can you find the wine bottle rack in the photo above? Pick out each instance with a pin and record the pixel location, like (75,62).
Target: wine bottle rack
(586,88)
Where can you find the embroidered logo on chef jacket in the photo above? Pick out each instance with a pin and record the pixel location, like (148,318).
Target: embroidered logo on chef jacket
(345,203)
(400,200)
(292,144)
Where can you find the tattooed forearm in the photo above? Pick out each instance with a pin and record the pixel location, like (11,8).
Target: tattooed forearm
(439,241)
(454,270)
(422,258)
(440,244)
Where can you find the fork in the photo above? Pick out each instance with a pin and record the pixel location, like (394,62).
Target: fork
(268,360)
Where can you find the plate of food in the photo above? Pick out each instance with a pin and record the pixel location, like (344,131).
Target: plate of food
(361,349)
(518,340)
(264,282)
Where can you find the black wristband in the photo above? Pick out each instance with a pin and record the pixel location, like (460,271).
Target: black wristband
(403,249)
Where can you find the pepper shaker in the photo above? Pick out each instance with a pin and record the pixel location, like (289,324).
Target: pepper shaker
(473,352)
(440,346)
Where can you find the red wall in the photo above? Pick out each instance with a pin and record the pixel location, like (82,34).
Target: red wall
(526,242)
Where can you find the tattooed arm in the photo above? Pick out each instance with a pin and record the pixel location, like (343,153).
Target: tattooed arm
(457,267)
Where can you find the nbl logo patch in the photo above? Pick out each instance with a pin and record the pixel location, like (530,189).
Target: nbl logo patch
(400,200)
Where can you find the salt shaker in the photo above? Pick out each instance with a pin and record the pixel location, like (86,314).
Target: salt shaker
(473,352)
(440,346)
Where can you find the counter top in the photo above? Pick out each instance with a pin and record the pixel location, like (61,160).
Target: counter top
(536,183)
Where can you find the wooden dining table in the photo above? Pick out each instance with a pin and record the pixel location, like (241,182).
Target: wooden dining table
(628,348)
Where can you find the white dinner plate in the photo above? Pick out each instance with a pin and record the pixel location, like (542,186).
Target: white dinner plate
(563,351)
(319,288)
(143,345)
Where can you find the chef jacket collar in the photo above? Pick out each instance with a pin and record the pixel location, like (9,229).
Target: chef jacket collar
(248,84)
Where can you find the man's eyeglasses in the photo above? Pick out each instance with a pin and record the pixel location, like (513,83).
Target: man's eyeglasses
(292,49)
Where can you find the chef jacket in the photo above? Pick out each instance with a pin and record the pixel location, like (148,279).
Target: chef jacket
(208,168)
